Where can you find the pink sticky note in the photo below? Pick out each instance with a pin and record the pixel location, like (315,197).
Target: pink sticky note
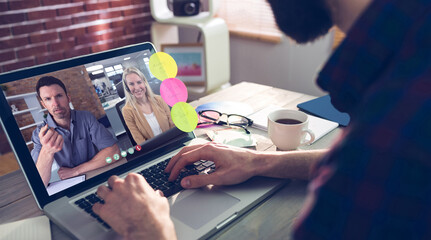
(173,90)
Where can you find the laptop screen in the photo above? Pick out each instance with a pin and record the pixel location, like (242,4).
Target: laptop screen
(73,120)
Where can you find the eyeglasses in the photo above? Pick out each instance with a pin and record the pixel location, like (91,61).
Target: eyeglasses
(218,118)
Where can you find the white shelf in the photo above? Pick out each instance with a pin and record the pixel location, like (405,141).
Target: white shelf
(29,126)
(25,111)
(20,96)
(215,35)
(34,108)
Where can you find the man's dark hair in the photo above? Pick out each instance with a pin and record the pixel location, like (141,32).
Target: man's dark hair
(48,81)
(302,20)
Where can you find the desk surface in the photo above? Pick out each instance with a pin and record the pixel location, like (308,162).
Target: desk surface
(272,219)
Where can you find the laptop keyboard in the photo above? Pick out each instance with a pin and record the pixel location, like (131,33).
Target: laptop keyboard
(86,203)
(157,179)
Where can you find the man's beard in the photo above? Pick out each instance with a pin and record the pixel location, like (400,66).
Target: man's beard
(302,20)
(60,115)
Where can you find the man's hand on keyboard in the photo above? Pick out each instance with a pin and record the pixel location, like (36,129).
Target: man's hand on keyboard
(233,165)
(134,210)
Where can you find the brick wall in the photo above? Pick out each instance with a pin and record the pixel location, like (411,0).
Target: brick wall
(34,32)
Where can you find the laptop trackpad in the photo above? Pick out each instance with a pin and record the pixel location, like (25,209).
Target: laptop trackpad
(201,207)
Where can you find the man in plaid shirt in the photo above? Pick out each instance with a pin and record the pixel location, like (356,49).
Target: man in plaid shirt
(375,182)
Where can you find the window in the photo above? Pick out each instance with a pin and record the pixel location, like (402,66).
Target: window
(250,18)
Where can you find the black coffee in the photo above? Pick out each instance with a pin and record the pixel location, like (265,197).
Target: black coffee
(288,121)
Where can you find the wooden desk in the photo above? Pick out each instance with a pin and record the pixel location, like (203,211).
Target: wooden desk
(272,219)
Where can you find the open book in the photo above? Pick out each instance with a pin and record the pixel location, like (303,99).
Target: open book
(319,126)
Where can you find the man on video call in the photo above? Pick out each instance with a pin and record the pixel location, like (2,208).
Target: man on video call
(73,141)
(374,183)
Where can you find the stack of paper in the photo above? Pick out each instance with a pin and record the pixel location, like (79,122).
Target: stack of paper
(319,126)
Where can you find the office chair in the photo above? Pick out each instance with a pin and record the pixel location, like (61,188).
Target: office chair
(119,106)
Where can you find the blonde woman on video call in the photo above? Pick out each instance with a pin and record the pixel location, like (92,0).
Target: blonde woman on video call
(145,113)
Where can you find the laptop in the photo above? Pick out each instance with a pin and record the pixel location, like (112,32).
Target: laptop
(90,81)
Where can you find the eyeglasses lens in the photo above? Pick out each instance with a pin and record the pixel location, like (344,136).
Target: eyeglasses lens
(208,117)
(237,120)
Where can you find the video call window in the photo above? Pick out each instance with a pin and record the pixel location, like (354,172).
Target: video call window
(94,89)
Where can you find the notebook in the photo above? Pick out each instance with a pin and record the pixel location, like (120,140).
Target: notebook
(319,126)
(36,228)
(322,107)
(90,82)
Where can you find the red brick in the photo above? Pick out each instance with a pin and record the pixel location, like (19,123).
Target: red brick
(122,23)
(53,2)
(133,38)
(122,42)
(120,3)
(140,38)
(70,10)
(77,52)
(32,51)
(100,27)
(62,45)
(50,57)
(107,15)
(144,19)
(102,47)
(137,28)
(86,18)
(53,23)
(96,6)
(112,34)
(15,42)
(3,7)
(88,38)
(93,38)
(18,64)
(45,37)
(72,33)
(11,18)
(133,11)
(42,14)
(27,28)
(140,1)
(6,56)
(17,5)
(4,32)
(147,9)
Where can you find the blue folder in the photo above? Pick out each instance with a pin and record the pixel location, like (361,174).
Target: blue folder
(322,107)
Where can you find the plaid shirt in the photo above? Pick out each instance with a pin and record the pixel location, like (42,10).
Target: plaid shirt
(376,182)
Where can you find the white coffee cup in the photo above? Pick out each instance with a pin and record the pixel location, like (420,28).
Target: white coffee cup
(292,133)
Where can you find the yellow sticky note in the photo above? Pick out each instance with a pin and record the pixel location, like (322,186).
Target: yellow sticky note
(184,116)
(163,66)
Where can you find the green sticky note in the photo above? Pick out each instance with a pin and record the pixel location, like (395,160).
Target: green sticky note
(184,116)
